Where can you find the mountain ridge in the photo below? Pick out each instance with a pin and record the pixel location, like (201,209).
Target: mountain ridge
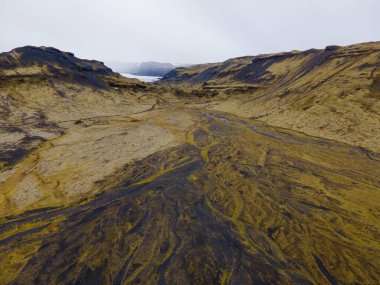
(331,93)
(51,58)
(277,55)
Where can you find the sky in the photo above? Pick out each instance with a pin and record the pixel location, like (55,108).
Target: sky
(185,31)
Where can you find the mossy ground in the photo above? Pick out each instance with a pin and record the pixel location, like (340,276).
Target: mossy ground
(236,202)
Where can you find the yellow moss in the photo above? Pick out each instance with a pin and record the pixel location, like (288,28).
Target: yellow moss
(179,134)
(3,166)
(225,277)
(246,240)
(53,226)
(22,228)
(12,263)
(190,138)
(161,172)
(204,149)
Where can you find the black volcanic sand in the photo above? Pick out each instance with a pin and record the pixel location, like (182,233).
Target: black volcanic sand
(240,203)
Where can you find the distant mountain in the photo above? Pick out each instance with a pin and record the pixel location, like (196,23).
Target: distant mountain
(149,68)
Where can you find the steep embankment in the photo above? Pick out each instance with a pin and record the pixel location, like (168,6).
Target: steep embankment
(332,93)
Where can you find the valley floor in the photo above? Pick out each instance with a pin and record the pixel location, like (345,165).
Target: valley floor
(180,195)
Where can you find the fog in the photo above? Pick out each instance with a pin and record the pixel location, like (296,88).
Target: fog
(183,31)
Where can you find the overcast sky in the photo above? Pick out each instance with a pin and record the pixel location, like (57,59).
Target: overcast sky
(185,31)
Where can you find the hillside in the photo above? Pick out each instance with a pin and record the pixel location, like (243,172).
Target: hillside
(43,89)
(332,93)
(108,180)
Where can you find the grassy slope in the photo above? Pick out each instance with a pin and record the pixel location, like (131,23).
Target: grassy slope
(332,93)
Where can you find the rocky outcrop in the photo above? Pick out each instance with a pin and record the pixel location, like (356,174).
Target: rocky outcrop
(30,56)
(47,62)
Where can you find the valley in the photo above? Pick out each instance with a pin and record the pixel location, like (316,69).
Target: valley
(259,170)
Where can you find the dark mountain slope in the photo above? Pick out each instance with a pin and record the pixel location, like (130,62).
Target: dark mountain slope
(51,58)
(41,63)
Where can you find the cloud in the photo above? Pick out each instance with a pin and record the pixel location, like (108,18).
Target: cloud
(183,31)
